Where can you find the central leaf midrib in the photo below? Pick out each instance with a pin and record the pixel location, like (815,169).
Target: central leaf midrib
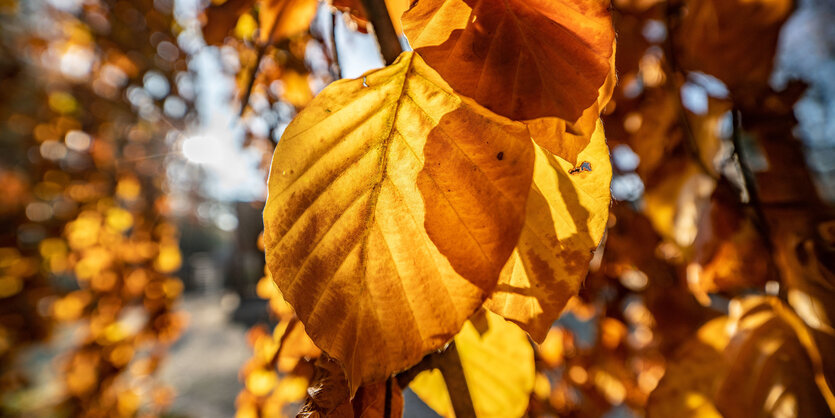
(382,166)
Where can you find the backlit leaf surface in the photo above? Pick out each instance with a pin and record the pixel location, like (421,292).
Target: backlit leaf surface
(566,217)
(523,59)
(383,193)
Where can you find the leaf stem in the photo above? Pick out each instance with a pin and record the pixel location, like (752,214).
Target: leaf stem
(387,406)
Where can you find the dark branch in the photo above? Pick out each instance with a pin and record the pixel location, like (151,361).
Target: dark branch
(387,38)
(335,67)
(759,219)
(450,365)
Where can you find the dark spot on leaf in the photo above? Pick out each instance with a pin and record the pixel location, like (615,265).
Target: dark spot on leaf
(585,166)
(500,156)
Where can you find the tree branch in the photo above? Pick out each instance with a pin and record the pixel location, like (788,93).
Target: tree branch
(449,363)
(750,181)
(459,393)
(387,38)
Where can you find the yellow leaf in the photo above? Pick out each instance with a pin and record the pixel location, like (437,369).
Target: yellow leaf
(261,382)
(523,59)
(281,19)
(566,217)
(360,228)
(498,365)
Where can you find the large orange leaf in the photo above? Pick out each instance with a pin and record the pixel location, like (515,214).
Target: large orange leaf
(358,231)
(566,139)
(566,215)
(523,59)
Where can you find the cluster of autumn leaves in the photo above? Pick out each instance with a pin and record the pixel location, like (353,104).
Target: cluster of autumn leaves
(400,206)
(402,202)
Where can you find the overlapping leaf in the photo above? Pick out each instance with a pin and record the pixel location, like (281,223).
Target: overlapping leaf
(722,371)
(566,139)
(521,59)
(498,366)
(566,215)
(383,193)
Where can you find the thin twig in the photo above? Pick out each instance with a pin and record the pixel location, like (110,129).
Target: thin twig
(335,67)
(289,329)
(262,49)
(760,221)
(387,38)
(251,82)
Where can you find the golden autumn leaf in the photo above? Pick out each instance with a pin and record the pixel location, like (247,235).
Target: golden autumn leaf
(383,192)
(520,59)
(498,364)
(565,218)
(719,372)
(808,276)
(279,19)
